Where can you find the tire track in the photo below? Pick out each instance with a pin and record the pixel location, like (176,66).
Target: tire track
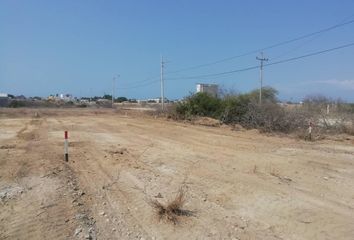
(45,209)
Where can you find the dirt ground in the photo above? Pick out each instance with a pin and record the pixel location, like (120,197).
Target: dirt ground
(239,184)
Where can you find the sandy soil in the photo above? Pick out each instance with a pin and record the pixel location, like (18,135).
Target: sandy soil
(239,184)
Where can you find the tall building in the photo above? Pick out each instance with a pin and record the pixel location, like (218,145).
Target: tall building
(211,89)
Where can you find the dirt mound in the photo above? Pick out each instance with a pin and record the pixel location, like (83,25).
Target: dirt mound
(238,127)
(207,121)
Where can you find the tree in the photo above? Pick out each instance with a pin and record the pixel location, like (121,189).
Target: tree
(269,94)
(121,99)
(235,107)
(107,96)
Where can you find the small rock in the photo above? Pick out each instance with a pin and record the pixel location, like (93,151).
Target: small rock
(88,236)
(113,229)
(213,232)
(78,231)
(80,216)
(158,195)
(287,179)
(325,178)
(102,213)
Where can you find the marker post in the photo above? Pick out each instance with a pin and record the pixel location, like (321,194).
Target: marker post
(66,145)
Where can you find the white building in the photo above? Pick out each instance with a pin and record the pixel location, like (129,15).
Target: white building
(66,97)
(4,99)
(157,100)
(211,89)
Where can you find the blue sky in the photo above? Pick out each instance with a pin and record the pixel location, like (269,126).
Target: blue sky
(77,47)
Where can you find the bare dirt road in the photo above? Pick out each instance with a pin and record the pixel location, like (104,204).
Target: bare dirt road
(239,184)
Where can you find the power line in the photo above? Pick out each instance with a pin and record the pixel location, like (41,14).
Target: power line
(265,48)
(308,41)
(142,85)
(310,54)
(149,79)
(137,85)
(268,64)
(242,69)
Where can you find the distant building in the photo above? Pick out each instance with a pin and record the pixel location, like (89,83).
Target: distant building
(103,100)
(66,97)
(141,101)
(156,100)
(84,100)
(4,99)
(211,89)
(61,97)
(21,97)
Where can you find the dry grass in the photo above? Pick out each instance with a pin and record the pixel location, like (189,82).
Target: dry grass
(276,173)
(173,210)
(255,170)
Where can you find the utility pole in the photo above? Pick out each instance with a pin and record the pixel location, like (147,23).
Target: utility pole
(114,79)
(262,59)
(114,85)
(162,85)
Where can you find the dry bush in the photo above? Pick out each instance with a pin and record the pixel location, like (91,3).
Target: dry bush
(173,210)
(328,117)
(271,117)
(349,128)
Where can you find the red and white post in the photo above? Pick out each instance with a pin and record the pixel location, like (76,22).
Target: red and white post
(66,145)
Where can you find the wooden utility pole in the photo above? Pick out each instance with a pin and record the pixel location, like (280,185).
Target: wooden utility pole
(262,59)
(162,85)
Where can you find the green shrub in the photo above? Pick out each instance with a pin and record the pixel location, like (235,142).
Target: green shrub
(200,104)
(235,107)
(17,104)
